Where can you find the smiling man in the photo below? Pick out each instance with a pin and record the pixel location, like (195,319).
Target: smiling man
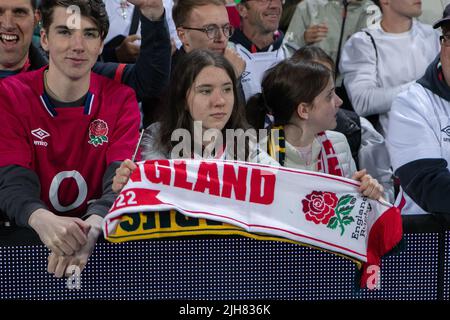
(16,30)
(17,21)
(65,131)
(259,42)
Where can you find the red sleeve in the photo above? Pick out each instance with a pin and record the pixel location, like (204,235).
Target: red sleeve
(126,132)
(14,143)
(233,16)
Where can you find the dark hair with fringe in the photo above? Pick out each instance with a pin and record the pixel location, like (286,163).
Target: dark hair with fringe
(284,87)
(92,9)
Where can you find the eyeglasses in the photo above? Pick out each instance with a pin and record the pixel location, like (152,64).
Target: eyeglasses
(213,30)
(445,39)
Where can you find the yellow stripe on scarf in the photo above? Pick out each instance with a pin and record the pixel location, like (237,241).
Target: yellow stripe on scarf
(160,225)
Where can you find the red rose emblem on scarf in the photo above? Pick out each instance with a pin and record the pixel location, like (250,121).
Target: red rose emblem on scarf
(98,128)
(319,206)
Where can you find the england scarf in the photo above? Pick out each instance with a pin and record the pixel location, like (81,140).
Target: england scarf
(311,208)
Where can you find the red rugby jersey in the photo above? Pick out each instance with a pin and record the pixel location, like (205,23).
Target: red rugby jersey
(69,148)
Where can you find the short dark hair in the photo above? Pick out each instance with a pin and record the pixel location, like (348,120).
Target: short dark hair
(312,53)
(92,9)
(183,8)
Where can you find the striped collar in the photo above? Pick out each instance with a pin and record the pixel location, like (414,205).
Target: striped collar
(239,37)
(48,105)
(434,80)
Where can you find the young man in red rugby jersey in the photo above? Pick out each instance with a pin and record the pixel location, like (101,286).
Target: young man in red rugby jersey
(65,131)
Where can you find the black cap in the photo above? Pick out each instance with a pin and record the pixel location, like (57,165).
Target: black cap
(445,17)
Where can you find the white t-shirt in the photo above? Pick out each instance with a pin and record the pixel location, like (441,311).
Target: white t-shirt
(372,83)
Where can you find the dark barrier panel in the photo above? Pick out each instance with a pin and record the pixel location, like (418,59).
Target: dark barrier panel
(446,284)
(222,268)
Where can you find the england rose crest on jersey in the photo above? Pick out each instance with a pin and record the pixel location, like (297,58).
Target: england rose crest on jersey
(98,132)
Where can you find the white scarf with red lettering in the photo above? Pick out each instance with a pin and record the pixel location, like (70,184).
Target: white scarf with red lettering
(312,208)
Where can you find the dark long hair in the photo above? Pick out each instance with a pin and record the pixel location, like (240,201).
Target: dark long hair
(284,87)
(177,115)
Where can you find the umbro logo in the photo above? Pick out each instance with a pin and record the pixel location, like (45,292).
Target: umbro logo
(446,130)
(40,134)
(245,74)
(245,77)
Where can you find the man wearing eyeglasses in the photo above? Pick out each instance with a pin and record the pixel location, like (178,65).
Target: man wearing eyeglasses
(259,42)
(204,24)
(419,135)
